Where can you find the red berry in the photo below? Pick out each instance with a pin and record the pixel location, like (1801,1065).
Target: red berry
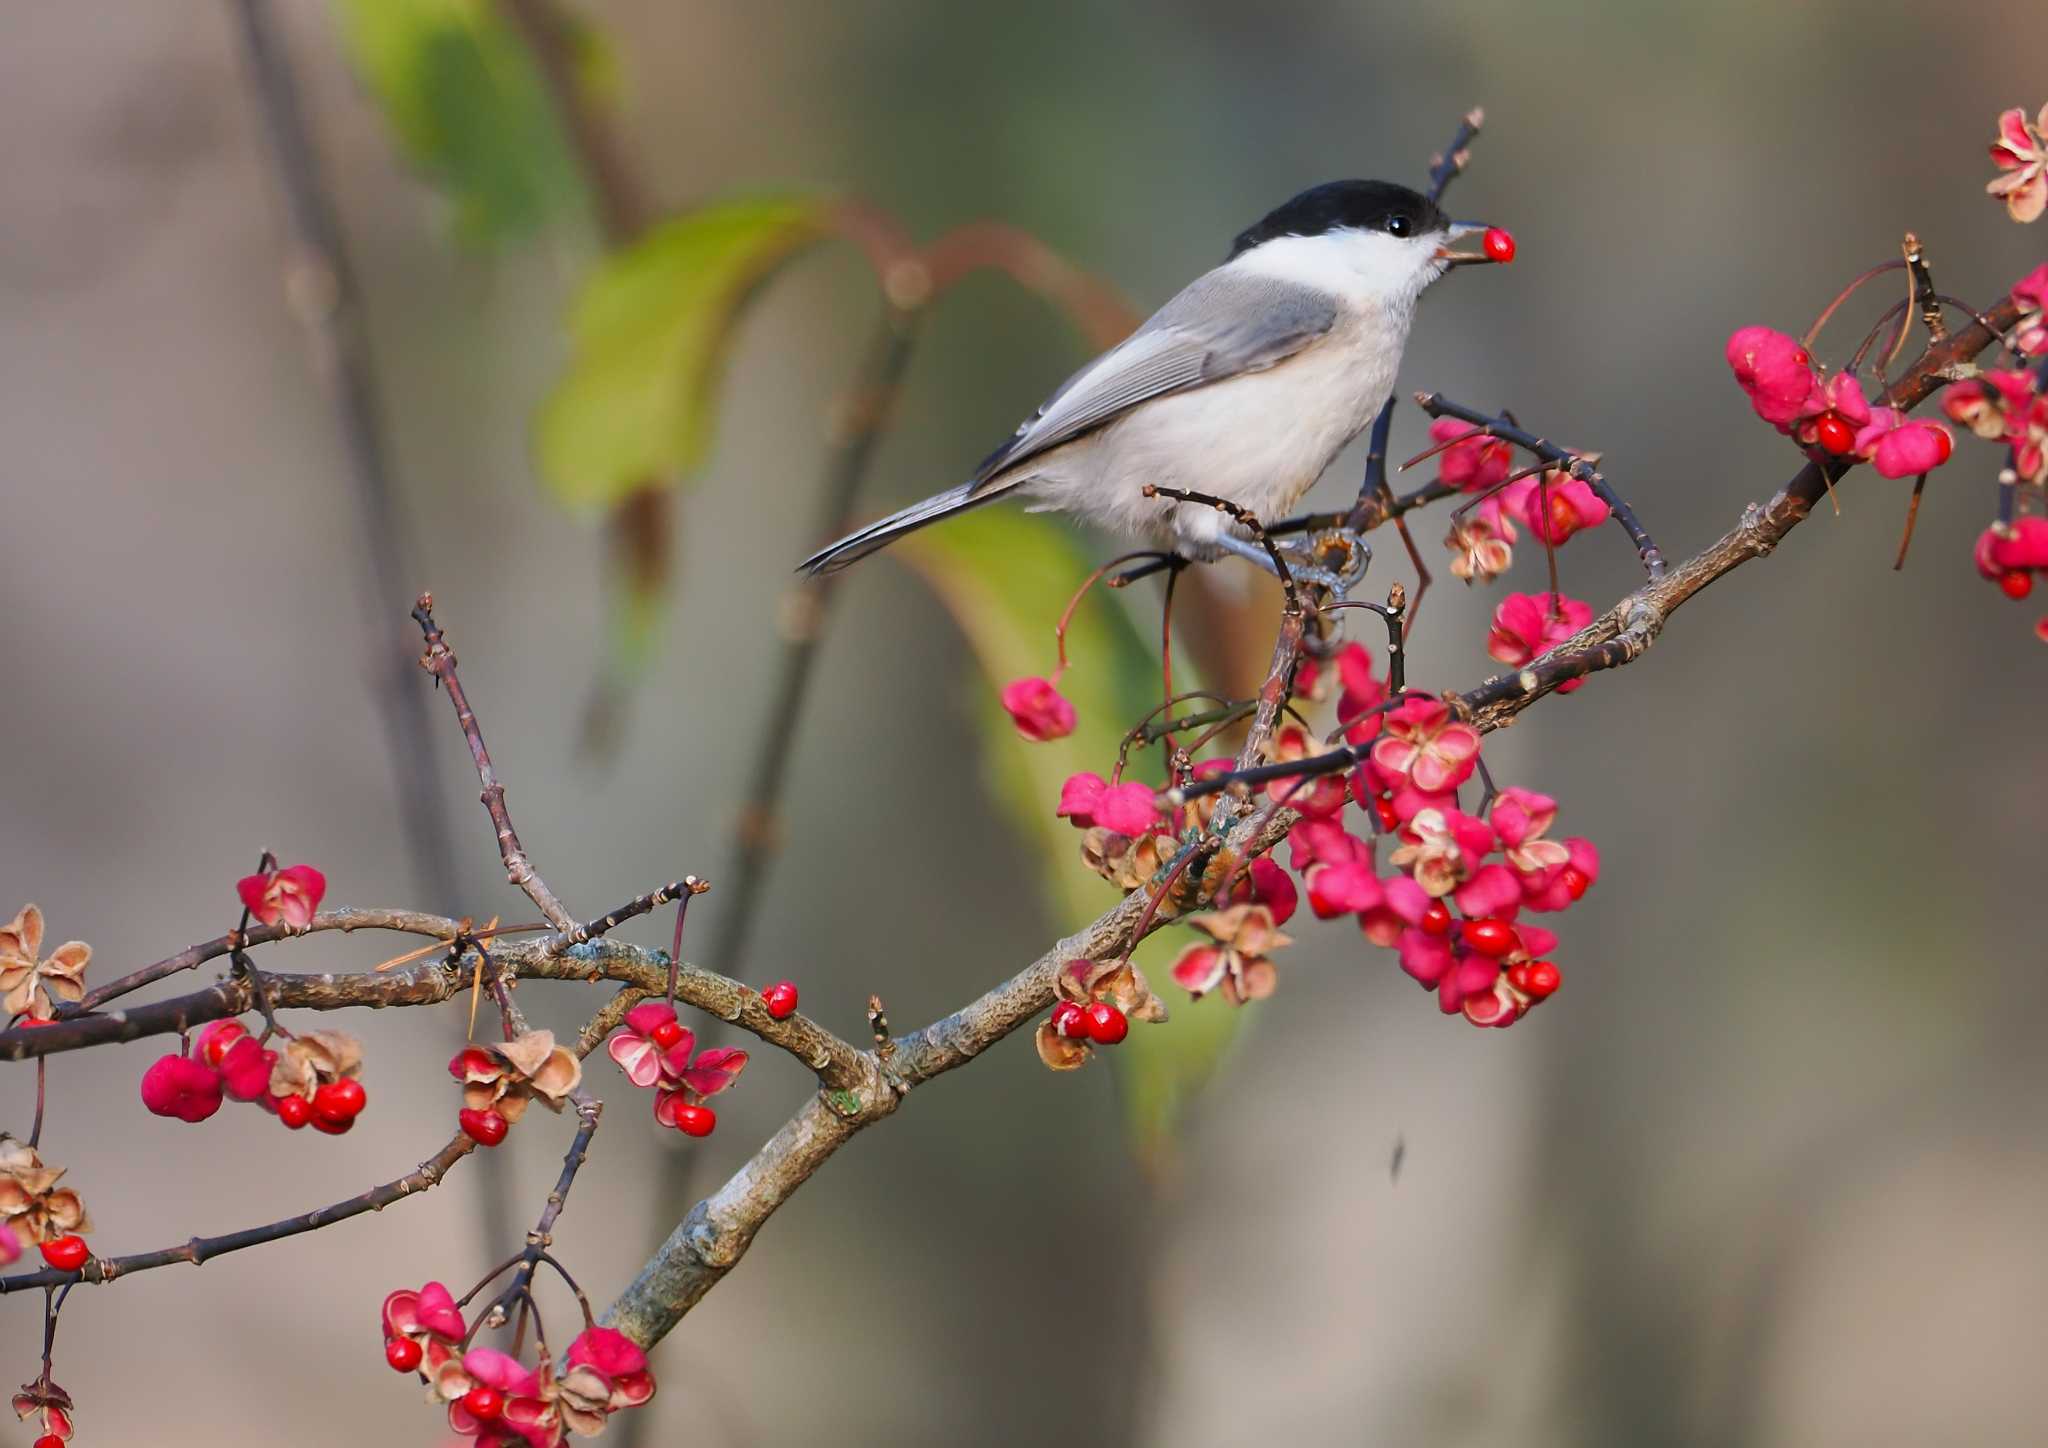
(402,1353)
(666,1034)
(341,1100)
(1834,433)
(330,1126)
(1383,809)
(1068,1020)
(1535,978)
(486,1405)
(48,1440)
(1944,442)
(2016,583)
(294,1111)
(472,1061)
(1499,245)
(1106,1024)
(485,1128)
(781,998)
(1490,938)
(66,1253)
(1576,882)
(696,1120)
(218,1042)
(1436,920)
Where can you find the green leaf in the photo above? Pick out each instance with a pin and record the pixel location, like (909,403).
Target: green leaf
(469,107)
(650,332)
(1004,575)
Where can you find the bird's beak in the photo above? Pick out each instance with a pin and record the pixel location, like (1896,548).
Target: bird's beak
(1451,256)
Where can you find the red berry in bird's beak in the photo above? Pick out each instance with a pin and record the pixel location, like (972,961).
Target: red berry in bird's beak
(1498,245)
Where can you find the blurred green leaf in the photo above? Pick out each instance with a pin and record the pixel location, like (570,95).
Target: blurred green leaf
(650,333)
(469,107)
(1005,576)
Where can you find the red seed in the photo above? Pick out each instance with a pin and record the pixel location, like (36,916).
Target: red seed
(1576,882)
(1834,433)
(1383,808)
(666,1034)
(332,1127)
(294,1111)
(341,1100)
(472,1061)
(1943,441)
(696,1120)
(1068,1020)
(402,1353)
(1490,938)
(1436,920)
(67,1253)
(1499,245)
(1535,978)
(486,1405)
(48,1440)
(1106,1024)
(781,999)
(218,1043)
(485,1128)
(2016,583)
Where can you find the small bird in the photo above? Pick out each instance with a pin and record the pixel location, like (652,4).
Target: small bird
(1244,387)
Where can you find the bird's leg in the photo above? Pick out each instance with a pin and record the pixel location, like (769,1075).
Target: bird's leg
(1308,563)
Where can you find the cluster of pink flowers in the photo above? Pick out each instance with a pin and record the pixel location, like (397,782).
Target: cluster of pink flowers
(654,1049)
(1553,505)
(1829,416)
(1450,894)
(1527,625)
(2021,153)
(496,1400)
(314,1081)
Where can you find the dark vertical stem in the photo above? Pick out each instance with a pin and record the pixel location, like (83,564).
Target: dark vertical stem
(325,298)
(869,406)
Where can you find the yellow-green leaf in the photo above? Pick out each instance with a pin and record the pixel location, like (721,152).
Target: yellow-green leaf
(649,336)
(1004,575)
(469,107)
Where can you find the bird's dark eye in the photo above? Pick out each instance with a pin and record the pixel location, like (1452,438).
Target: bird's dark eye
(1398,225)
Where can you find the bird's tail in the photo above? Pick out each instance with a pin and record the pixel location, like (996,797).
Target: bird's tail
(881,533)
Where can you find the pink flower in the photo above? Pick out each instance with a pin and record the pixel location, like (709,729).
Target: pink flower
(1402,905)
(1528,625)
(2023,545)
(619,1359)
(430,1318)
(1474,464)
(1556,506)
(1363,692)
(182,1087)
(1266,883)
(1124,809)
(1898,448)
(1493,891)
(1456,974)
(2030,335)
(1559,887)
(1425,747)
(1239,962)
(1442,849)
(654,1049)
(2021,152)
(1343,889)
(1319,797)
(527,1414)
(1324,842)
(1521,817)
(291,895)
(10,1245)
(1481,548)
(1778,375)
(244,1066)
(1038,710)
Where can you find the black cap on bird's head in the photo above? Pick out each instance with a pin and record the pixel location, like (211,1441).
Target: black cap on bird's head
(1364,206)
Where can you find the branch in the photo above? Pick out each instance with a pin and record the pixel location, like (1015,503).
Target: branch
(200,1250)
(439,660)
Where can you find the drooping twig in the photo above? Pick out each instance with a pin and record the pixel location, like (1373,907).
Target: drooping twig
(200,1250)
(439,660)
(323,295)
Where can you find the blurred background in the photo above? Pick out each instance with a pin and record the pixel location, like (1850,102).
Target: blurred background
(1768,1171)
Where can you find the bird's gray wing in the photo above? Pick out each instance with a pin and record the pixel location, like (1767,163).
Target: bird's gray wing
(1221,325)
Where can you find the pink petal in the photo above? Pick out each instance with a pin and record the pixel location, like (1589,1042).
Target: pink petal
(644,1017)
(637,1057)
(1078,796)
(1199,969)
(1424,956)
(1038,709)
(1345,889)
(1127,809)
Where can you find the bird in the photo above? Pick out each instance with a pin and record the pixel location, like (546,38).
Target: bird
(1244,387)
